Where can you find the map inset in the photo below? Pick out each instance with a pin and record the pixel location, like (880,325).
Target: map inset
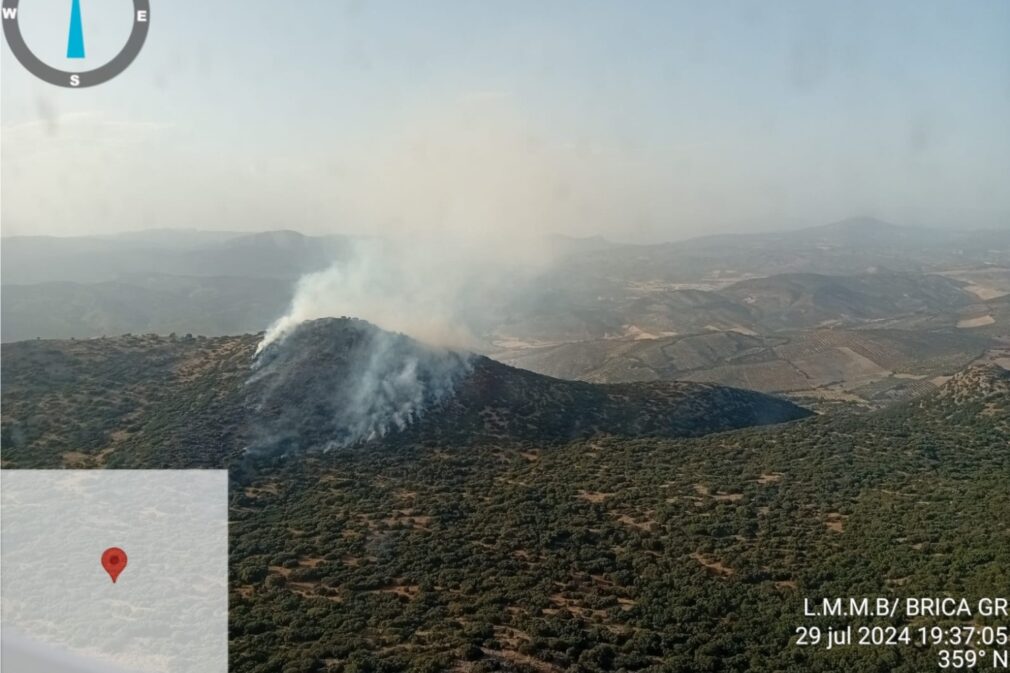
(167,612)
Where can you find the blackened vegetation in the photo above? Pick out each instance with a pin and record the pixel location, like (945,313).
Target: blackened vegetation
(500,402)
(335,384)
(338,383)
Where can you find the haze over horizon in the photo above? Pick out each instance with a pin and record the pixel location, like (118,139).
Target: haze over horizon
(230,234)
(643,123)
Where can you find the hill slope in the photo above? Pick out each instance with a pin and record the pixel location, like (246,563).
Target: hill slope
(872,366)
(330,384)
(808,300)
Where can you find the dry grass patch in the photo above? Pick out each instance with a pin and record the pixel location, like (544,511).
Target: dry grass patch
(75,459)
(836,522)
(266,490)
(715,565)
(593,496)
(513,657)
(769,478)
(406,591)
(645,524)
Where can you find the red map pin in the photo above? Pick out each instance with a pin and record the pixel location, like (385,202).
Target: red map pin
(114,560)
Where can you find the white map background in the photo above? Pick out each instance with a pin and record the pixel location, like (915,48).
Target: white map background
(168,612)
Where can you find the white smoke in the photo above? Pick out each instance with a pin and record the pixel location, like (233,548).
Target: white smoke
(465,197)
(394,388)
(336,383)
(466,201)
(414,289)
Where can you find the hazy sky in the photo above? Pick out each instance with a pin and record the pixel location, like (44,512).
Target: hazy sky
(636,120)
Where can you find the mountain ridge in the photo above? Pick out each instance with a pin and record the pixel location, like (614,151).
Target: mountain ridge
(453,395)
(307,393)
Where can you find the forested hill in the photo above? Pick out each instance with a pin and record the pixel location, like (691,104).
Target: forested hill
(202,402)
(347,380)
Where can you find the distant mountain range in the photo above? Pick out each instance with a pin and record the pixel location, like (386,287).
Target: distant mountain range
(272,254)
(847,247)
(216,283)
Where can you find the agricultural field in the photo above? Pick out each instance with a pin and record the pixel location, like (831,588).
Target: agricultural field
(865,366)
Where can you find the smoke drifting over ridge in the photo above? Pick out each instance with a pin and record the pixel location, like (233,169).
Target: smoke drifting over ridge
(465,199)
(416,288)
(471,198)
(385,381)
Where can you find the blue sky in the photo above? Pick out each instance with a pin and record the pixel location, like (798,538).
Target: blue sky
(635,120)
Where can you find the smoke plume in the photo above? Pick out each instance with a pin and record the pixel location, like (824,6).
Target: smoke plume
(466,199)
(337,383)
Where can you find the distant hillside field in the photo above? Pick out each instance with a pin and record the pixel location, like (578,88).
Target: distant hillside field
(869,366)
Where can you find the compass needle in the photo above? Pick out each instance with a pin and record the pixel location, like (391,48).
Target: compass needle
(75,42)
(76,78)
